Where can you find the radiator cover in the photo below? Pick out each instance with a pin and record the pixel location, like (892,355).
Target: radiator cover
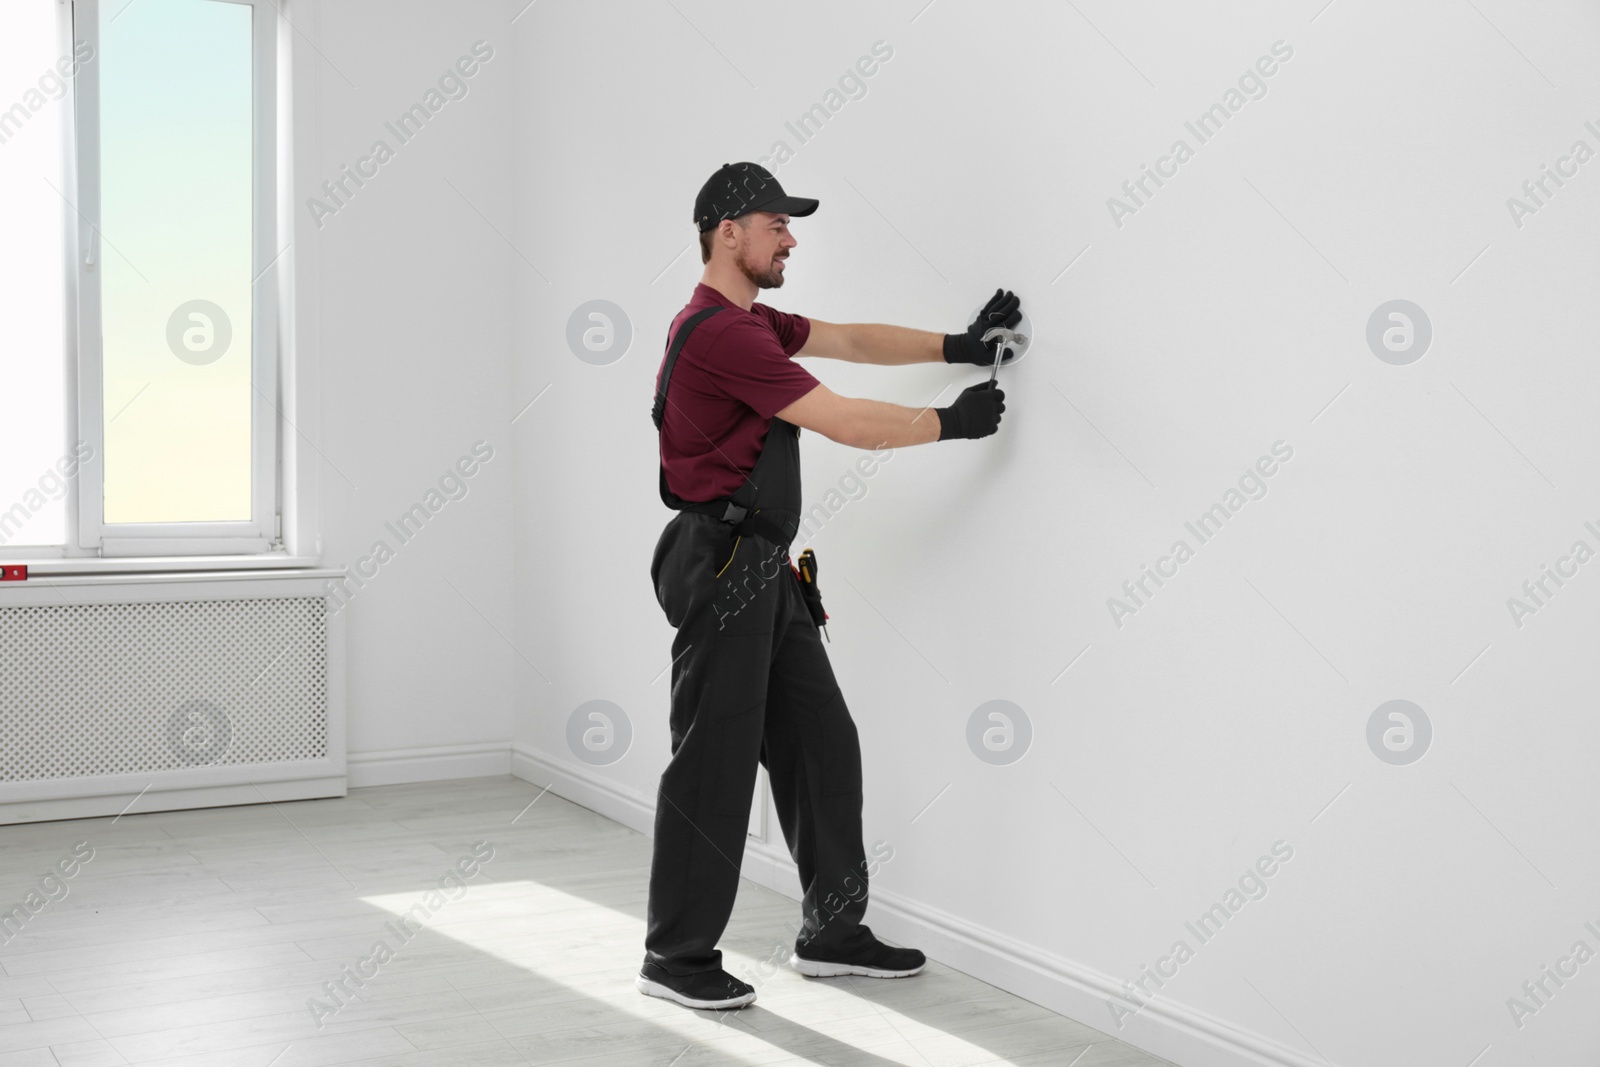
(180,692)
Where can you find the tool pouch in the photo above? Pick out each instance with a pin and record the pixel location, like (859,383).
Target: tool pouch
(813,599)
(808,588)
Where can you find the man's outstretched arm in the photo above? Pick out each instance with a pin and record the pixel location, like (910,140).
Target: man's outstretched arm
(872,342)
(874,424)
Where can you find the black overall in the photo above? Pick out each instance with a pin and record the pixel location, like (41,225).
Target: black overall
(750,681)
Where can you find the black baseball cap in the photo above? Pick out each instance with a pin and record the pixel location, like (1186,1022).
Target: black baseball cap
(740,188)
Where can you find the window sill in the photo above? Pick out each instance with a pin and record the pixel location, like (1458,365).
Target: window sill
(307,581)
(86,566)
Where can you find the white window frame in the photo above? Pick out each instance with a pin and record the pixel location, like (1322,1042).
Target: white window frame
(262,533)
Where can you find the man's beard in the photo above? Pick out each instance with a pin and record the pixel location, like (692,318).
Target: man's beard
(771,278)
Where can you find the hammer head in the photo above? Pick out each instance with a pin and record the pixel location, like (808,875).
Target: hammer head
(1007,337)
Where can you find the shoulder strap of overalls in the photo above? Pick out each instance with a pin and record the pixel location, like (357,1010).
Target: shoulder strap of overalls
(660,407)
(658,411)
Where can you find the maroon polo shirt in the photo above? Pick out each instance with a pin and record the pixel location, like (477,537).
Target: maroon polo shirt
(733,374)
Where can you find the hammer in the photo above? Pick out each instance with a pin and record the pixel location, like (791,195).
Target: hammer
(1003,337)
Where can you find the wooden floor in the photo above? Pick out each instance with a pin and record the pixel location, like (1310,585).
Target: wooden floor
(202,938)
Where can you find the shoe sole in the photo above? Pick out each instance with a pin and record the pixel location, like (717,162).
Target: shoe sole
(820,969)
(656,989)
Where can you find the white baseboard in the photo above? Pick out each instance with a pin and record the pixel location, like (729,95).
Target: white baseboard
(169,798)
(1166,1028)
(401,765)
(585,788)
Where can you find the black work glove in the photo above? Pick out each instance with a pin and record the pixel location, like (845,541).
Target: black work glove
(976,412)
(1003,309)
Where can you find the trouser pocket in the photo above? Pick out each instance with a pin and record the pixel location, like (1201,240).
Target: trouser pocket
(746,586)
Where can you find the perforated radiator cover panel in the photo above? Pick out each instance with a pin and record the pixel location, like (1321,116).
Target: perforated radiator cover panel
(99,689)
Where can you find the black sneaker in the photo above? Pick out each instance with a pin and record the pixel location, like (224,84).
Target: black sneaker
(877,960)
(707,989)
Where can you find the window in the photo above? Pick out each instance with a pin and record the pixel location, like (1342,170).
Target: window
(34,471)
(142,192)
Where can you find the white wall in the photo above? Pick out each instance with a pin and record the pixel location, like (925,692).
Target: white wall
(1227,314)
(405,304)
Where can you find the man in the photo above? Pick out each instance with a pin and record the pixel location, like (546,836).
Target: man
(750,678)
